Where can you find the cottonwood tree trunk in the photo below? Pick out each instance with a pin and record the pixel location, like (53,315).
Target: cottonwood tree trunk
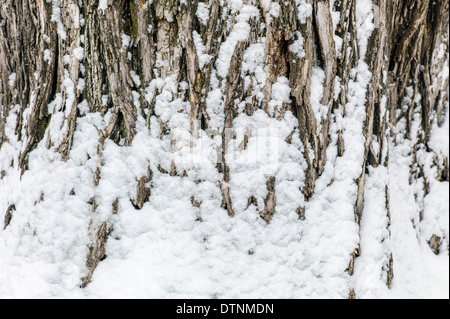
(63,59)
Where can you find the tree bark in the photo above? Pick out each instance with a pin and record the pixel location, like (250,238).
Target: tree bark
(123,60)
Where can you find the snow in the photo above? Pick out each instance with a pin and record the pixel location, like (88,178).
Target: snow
(202,58)
(239,33)
(172,249)
(304,10)
(103,5)
(126,39)
(135,78)
(47,56)
(317,82)
(78,53)
(12,80)
(365,20)
(203,12)
(376,244)
(439,140)
(281,92)
(275,9)
(56,17)
(412,256)
(297,46)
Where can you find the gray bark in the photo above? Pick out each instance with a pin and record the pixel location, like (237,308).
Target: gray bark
(33,47)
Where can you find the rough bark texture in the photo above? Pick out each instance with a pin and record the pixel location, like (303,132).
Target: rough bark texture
(111,60)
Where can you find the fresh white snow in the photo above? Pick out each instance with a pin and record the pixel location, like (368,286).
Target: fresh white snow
(164,250)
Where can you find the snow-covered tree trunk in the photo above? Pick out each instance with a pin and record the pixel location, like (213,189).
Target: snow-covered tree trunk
(107,106)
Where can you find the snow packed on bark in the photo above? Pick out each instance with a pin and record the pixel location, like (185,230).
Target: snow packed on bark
(174,249)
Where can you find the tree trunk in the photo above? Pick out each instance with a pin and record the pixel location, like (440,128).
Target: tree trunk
(120,94)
